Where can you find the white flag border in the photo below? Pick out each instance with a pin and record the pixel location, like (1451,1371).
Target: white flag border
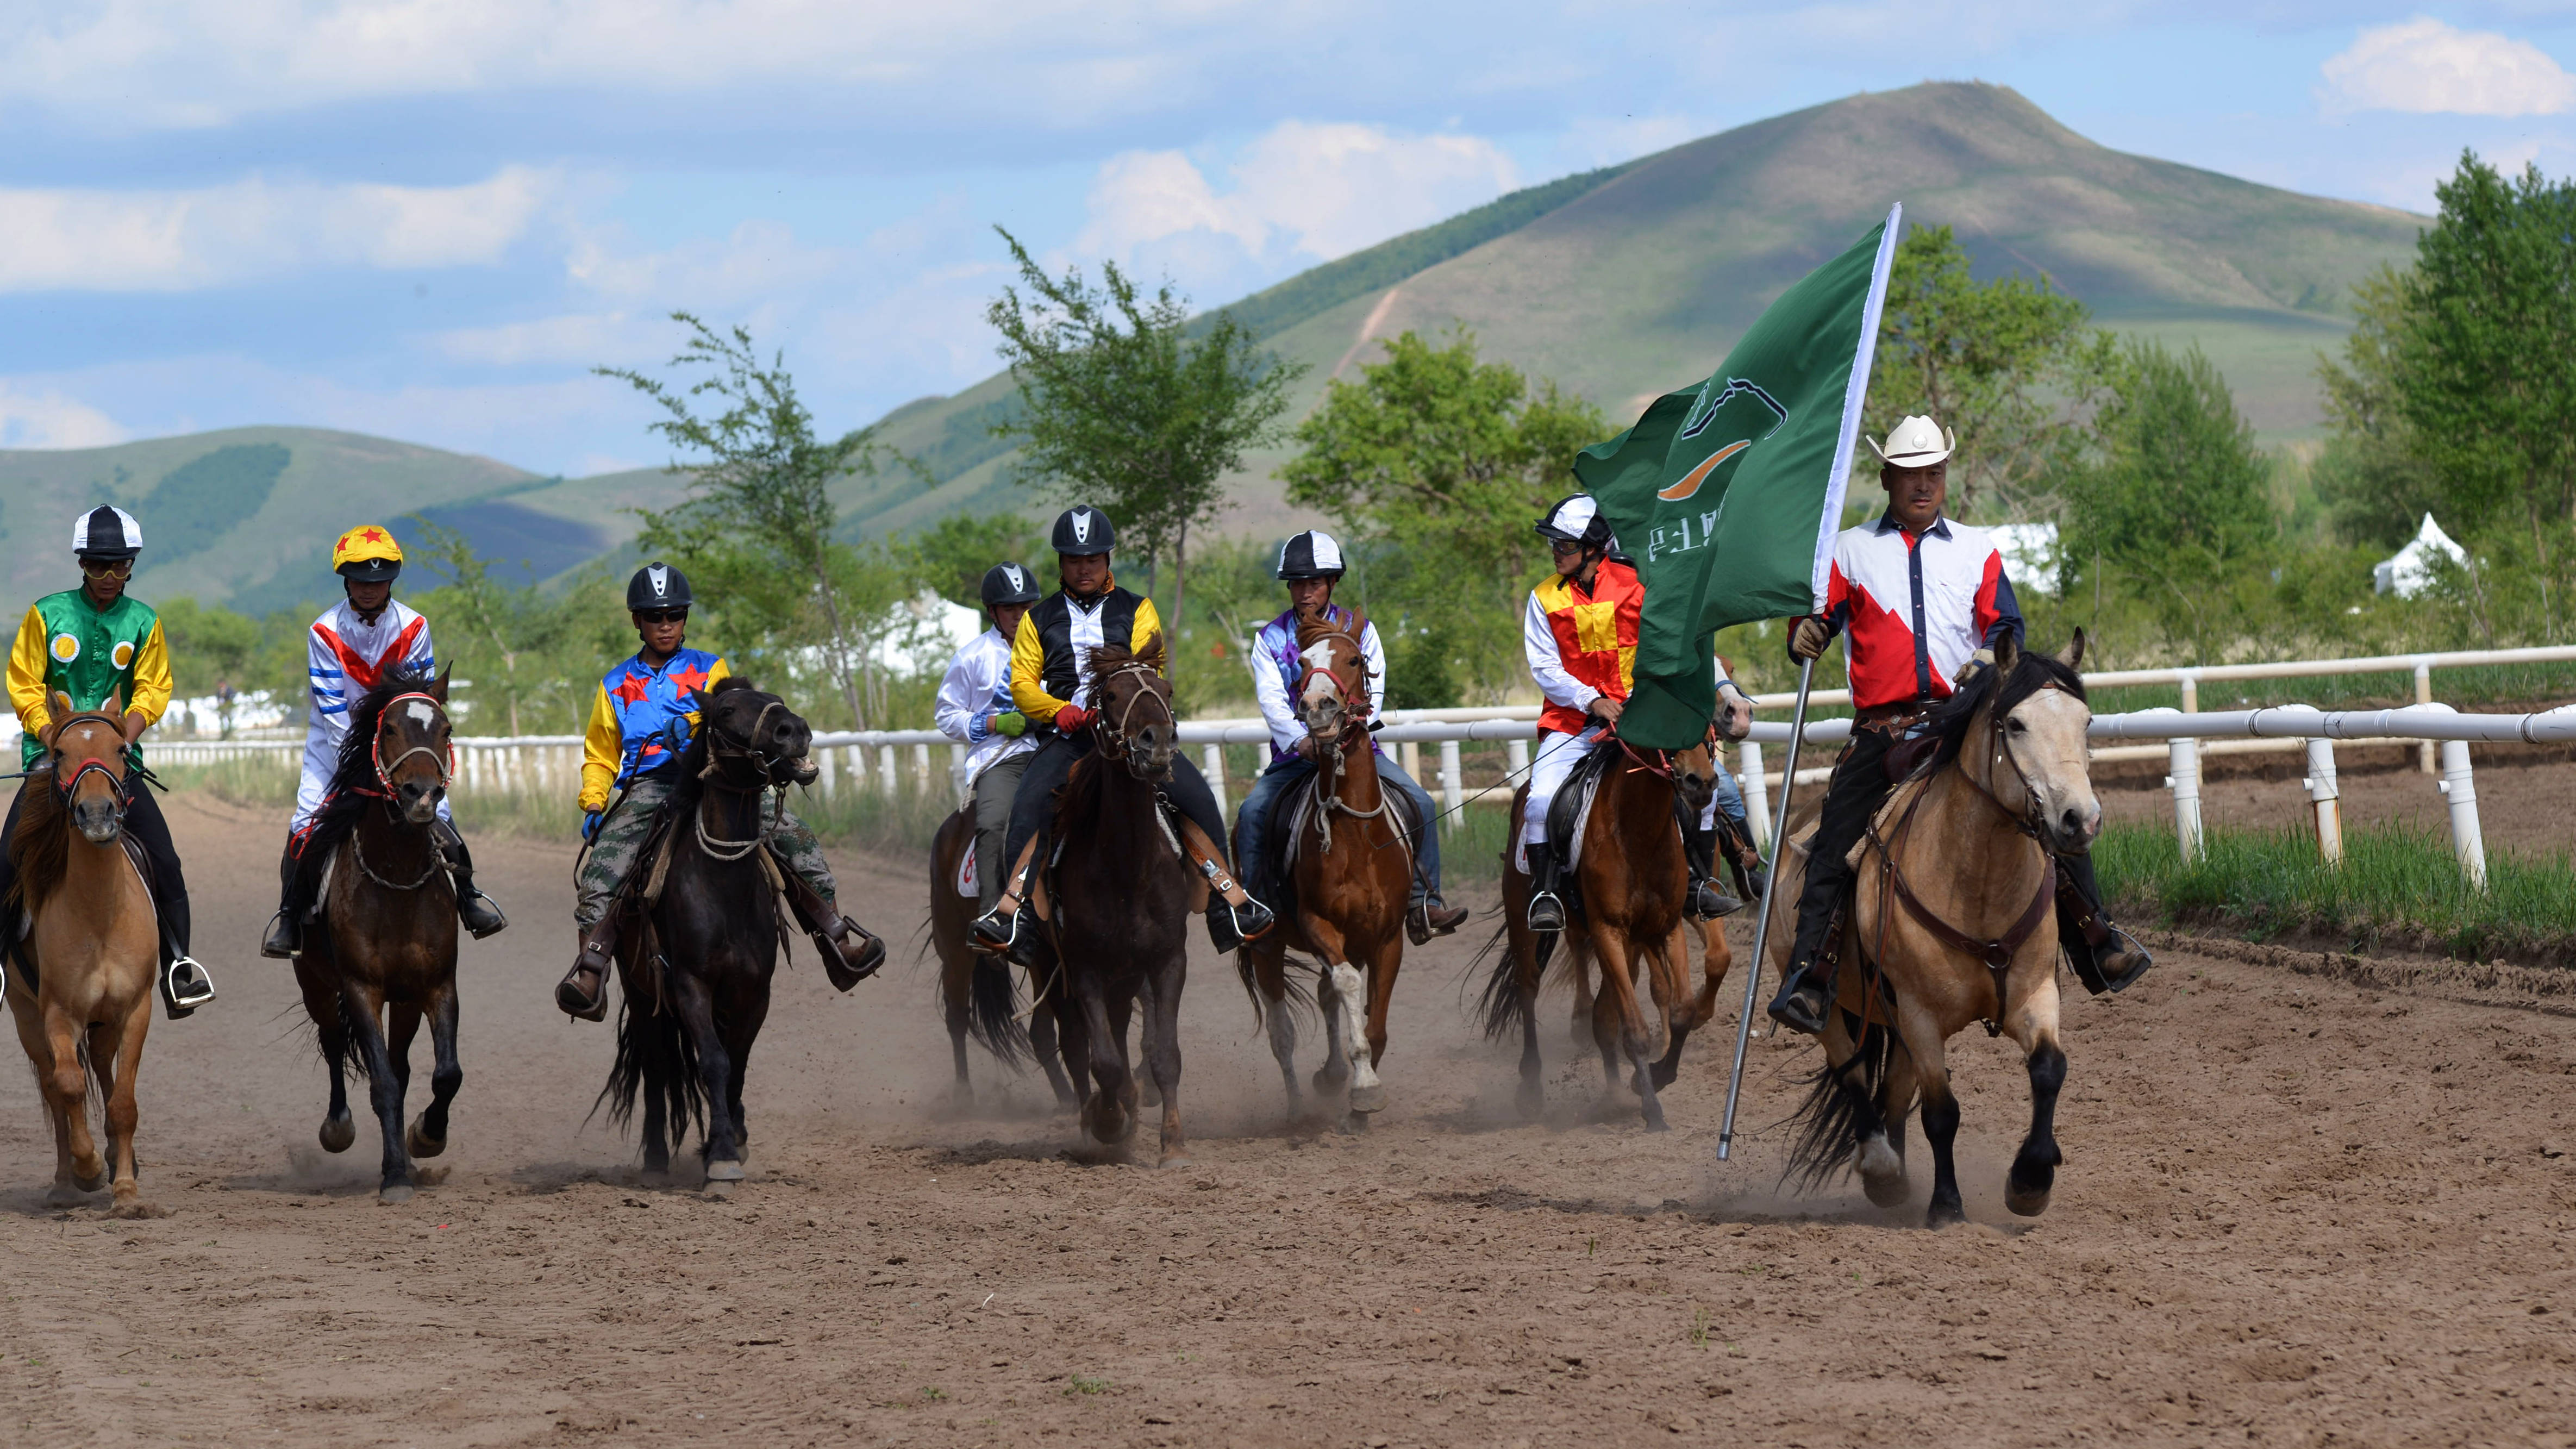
(1855,398)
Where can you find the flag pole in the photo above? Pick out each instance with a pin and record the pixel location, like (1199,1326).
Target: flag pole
(1762,924)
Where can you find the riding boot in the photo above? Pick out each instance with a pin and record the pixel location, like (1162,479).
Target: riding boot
(597,958)
(1807,987)
(1233,916)
(1707,900)
(850,955)
(286,931)
(1010,927)
(185,986)
(477,912)
(2105,958)
(1546,909)
(1427,916)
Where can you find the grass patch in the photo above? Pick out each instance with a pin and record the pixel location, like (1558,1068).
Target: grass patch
(2397,886)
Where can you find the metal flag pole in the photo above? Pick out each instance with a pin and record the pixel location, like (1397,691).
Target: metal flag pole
(1762,926)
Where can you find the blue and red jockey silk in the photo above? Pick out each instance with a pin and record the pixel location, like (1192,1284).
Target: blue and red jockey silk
(1915,606)
(641,717)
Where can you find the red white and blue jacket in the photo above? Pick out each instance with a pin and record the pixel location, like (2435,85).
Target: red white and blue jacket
(1915,607)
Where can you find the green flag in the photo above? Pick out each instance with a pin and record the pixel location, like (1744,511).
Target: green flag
(1727,494)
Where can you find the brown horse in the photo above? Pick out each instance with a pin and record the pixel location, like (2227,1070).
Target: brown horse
(382,955)
(1353,871)
(96,943)
(1955,924)
(1632,882)
(1118,902)
(975,992)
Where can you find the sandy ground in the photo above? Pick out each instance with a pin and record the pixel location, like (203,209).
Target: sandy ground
(2293,1212)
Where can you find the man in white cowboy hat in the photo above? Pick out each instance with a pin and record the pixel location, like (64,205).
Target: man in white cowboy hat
(1921,601)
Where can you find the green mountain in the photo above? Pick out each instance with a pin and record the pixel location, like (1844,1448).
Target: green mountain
(1619,283)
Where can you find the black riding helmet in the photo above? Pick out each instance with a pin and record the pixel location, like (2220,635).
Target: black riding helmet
(1310,555)
(1009,583)
(657,585)
(1083,529)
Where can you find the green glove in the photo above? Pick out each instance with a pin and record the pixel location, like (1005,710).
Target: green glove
(1012,723)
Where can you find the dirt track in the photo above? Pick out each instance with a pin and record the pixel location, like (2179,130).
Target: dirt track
(2293,1212)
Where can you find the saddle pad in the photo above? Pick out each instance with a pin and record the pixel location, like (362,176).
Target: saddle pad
(1571,810)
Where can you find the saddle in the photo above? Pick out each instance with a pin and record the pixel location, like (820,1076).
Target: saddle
(1284,840)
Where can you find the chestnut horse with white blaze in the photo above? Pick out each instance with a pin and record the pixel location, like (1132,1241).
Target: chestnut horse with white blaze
(85,1008)
(1352,873)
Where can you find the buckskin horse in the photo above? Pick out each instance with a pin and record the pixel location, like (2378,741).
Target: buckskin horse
(84,1003)
(1350,871)
(1631,880)
(976,996)
(381,957)
(1118,892)
(1954,923)
(696,976)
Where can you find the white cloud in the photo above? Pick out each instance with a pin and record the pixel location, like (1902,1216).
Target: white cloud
(1302,192)
(2427,66)
(165,241)
(47,419)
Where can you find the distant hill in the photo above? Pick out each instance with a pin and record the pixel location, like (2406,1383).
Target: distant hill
(1619,283)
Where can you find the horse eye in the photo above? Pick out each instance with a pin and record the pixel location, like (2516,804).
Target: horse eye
(2018,727)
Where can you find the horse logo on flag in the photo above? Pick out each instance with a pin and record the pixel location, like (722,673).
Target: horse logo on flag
(1742,412)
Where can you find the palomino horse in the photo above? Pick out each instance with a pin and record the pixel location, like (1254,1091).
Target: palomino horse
(975,992)
(697,975)
(382,957)
(1353,872)
(1119,894)
(1955,924)
(1632,882)
(96,945)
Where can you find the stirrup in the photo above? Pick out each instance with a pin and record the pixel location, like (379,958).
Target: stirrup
(1546,911)
(845,968)
(284,942)
(185,986)
(1708,902)
(2121,947)
(1802,1003)
(480,914)
(1424,920)
(1230,925)
(568,992)
(998,930)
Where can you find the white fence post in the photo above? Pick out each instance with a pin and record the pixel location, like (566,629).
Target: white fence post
(957,773)
(1453,794)
(1212,765)
(2323,792)
(1409,755)
(1757,795)
(1516,759)
(2466,841)
(885,770)
(921,766)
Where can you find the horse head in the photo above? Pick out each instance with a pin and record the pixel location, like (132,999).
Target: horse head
(1333,693)
(1695,773)
(2040,717)
(1134,704)
(415,751)
(748,729)
(87,749)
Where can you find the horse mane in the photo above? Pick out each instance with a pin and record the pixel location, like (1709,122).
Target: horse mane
(2031,672)
(41,850)
(1311,630)
(353,777)
(1113,656)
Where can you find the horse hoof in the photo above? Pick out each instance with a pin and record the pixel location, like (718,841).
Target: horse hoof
(430,1176)
(1175,1159)
(720,1188)
(394,1194)
(421,1144)
(725,1170)
(60,1196)
(1368,1099)
(1944,1214)
(136,1208)
(337,1133)
(1655,1121)
(90,1184)
(1882,1174)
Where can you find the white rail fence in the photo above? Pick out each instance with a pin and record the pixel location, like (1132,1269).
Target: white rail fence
(892,760)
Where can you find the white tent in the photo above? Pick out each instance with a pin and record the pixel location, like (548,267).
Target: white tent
(2410,570)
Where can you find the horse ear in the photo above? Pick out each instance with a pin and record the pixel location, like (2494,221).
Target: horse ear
(2007,653)
(438,687)
(700,701)
(2072,656)
(114,705)
(60,707)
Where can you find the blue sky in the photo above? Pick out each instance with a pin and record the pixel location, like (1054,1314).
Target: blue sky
(429,218)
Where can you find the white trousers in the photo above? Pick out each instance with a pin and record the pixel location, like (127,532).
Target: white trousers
(1550,763)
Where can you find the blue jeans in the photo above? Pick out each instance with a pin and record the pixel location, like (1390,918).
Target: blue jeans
(1730,800)
(1252,822)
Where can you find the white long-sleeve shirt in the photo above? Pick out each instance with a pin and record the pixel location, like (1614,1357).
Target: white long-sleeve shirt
(346,656)
(1277,666)
(1546,664)
(977,688)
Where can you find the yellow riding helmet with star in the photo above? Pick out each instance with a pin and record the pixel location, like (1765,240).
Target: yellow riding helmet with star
(367,554)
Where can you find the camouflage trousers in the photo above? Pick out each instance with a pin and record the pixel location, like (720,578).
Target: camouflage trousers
(617,849)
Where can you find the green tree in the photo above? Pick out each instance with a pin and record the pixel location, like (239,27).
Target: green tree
(759,517)
(210,646)
(2009,364)
(1131,406)
(1447,459)
(951,557)
(2371,473)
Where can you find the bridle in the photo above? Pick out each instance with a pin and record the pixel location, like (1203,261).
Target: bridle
(1353,696)
(116,783)
(443,759)
(1114,741)
(720,749)
(2027,821)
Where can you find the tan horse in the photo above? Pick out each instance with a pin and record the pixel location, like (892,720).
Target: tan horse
(975,992)
(1353,872)
(1955,924)
(97,946)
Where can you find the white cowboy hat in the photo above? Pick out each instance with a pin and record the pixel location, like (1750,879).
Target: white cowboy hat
(1916,443)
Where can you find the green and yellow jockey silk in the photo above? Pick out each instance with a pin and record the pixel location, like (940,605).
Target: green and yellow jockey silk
(89,654)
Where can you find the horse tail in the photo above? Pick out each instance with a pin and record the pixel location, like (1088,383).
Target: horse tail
(1828,1121)
(992,1010)
(1505,1007)
(654,1056)
(1295,996)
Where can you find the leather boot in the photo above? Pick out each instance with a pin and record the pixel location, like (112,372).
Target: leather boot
(285,937)
(1233,916)
(589,1002)
(1807,988)
(850,955)
(475,911)
(2105,958)
(1010,928)
(185,986)
(1430,916)
(1546,909)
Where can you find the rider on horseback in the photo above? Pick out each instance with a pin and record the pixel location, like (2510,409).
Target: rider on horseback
(976,710)
(1051,682)
(1310,563)
(1580,634)
(640,723)
(90,643)
(350,650)
(1961,604)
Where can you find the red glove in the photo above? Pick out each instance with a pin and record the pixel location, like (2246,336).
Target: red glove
(1070,718)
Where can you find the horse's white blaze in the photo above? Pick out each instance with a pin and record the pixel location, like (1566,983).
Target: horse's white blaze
(1350,994)
(421,712)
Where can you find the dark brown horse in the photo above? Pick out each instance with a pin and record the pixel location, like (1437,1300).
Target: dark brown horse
(382,956)
(1632,880)
(1353,871)
(697,975)
(1119,898)
(975,992)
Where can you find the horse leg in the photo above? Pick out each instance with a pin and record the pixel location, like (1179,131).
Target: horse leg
(653,1063)
(358,1009)
(1104,1068)
(1163,1059)
(1042,1041)
(1584,1023)
(953,978)
(723,1149)
(428,1137)
(1619,1005)
(1699,1010)
(1940,1111)
(1367,1093)
(2034,1029)
(1341,995)
(1880,1165)
(322,1004)
(742,1027)
(1148,1089)
(402,1028)
(1270,984)
(1532,1095)
(47,1036)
